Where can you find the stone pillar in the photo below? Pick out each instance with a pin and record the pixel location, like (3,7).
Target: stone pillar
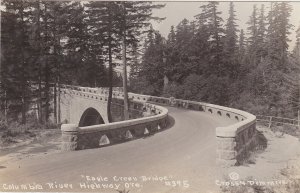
(226,151)
(69,137)
(226,146)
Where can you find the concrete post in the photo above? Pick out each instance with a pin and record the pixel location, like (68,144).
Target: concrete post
(226,152)
(226,146)
(69,137)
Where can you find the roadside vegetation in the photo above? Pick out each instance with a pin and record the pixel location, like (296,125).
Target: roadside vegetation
(15,134)
(280,129)
(48,43)
(212,59)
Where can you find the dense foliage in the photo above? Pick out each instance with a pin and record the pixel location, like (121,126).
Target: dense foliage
(48,43)
(213,61)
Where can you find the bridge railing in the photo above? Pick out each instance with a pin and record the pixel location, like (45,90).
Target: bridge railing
(97,90)
(234,142)
(76,138)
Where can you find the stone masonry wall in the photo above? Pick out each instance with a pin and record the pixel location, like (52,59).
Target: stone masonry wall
(234,142)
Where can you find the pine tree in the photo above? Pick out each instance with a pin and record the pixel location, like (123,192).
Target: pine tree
(36,31)
(152,69)
(242,45)
(214,24)
(253,39)
(275,64)
(171,36)
(103,18)
(216,70)
(133,18)
(296,51)
(261,34)
(230,46)
(201,44)
(16,50)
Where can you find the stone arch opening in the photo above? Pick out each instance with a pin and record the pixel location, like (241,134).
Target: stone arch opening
(90,117)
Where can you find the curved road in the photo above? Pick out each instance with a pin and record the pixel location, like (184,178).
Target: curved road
(179,159)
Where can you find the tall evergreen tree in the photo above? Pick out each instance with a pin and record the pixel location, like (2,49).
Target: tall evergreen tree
(134,17)
(171,36)
(252,39)
(242,45)
(231,38)
(296,50)
(17,49)
(214,24)
(104,22)
(261,34)
(230,45)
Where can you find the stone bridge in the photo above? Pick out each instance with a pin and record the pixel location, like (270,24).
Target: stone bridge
(83,106)
(84,109)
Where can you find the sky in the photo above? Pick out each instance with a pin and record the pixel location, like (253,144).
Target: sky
(177,11)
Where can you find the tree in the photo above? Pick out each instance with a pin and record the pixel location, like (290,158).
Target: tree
(276,62)
(16,50)
(133,19)
(261,34)
(214,23)
(230,45)
(252,39)
(231,38)
(103,18)
(296,51)
(171,36)
(242,46)
(279,29)
(152,70)
(292,78)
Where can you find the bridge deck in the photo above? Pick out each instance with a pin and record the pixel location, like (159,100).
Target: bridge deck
(186,151)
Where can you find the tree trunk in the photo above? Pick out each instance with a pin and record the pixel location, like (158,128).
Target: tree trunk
(56,74)
(3,100)
(55,102)
(299,101)
(110,76)
(40,100)
(46,72)
(58,99)
(23,79)
(126,115)
(5,106)
(47,97)
(110,72)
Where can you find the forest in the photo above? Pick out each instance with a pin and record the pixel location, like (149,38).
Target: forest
(48,43)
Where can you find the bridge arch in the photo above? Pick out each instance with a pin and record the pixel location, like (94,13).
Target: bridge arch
(90,117)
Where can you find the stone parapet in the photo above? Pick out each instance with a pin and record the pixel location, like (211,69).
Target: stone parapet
(234,142)
(78,138)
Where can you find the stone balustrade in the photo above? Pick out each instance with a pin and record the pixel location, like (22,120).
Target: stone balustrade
(234,142)
(77,138)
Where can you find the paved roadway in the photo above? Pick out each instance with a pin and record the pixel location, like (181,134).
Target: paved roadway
(183,157)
